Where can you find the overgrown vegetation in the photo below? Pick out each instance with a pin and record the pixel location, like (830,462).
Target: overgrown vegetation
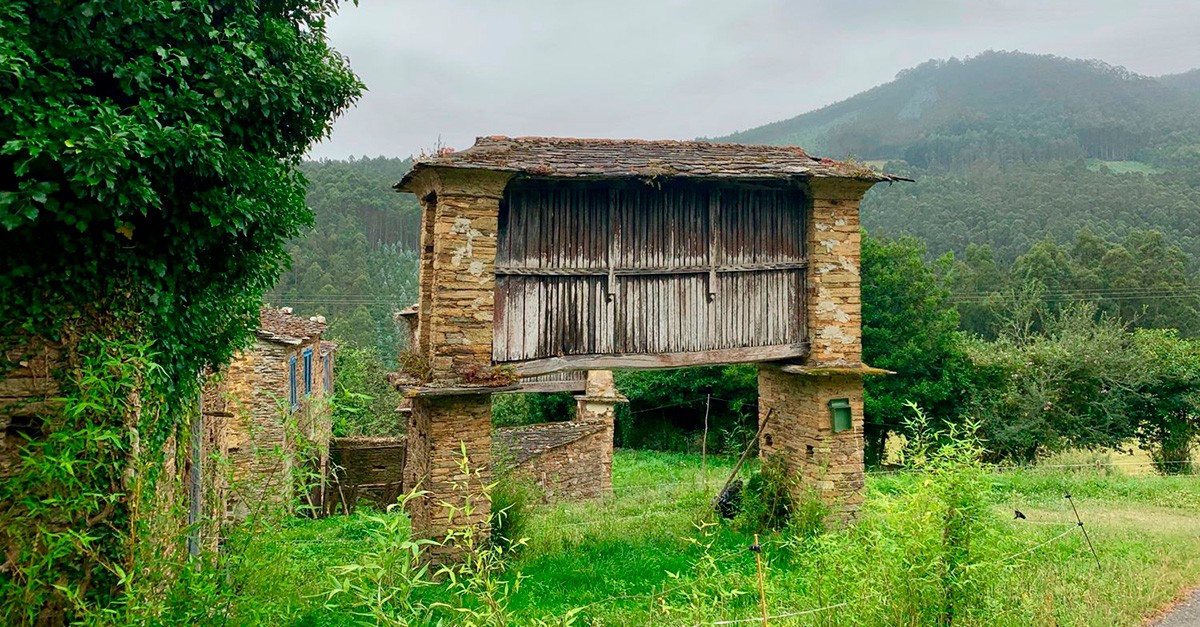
(935,545)
(511,410)
(767,503)
(363,403)
(150,151)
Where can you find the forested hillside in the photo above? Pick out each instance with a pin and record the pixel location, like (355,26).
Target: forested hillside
(1003,107)
(1008,149)
(359,263)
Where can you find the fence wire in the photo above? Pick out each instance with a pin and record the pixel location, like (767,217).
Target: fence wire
(756,619)
(1039,545)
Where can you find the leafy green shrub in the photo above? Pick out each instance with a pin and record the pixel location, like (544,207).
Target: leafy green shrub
(909,327)
(363,403)
(512,410)
(666,408)
(151,186)
(1167,406)
(767,503)
(948,519)
(1071,387)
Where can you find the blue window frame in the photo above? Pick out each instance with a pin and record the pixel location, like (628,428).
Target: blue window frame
(293,395)
(308,378)
(327,371)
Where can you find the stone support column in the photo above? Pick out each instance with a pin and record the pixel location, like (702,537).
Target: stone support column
(449,457)
(598,405)
(454,334)
(826,463)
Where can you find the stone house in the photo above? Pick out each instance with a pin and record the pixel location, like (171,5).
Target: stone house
(270,420)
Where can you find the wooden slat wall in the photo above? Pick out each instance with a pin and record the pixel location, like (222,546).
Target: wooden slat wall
(588,268)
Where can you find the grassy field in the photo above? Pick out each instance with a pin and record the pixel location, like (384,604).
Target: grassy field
(1123,167)
(653,554)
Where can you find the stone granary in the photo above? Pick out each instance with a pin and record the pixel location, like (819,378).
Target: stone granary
(274,424)
(543,255)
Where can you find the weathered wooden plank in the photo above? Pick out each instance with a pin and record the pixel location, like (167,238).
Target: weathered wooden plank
(601,268)
(585,271)
(661,360)
(860,370)
(540,387)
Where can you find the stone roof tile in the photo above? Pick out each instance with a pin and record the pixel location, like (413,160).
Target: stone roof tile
(284,327)
(563,157)
(520,444)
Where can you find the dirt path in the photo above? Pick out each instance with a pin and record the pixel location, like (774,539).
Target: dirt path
(1184,614)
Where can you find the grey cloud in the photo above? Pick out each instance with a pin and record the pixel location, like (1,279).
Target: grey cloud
(455,69)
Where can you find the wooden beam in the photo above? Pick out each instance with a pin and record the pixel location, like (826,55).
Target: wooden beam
(547,365)
(410,391)
(714,241)
(614,244)
(859,370)
(548,386)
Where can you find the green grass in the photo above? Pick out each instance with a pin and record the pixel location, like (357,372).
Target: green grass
(1123,167)
(653,535)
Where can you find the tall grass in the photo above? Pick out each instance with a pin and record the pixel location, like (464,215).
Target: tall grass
(938,545)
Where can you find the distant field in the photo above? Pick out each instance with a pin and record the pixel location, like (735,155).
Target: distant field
(1124,167)
(650,555)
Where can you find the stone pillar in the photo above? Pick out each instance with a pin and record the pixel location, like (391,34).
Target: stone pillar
(826,464)
(441,429)
(598,404)
(454,334)
(798,396)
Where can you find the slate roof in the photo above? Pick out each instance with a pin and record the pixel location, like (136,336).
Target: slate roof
(277,325)
(521,444)
(569,157)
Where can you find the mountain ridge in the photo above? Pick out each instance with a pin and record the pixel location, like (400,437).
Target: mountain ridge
(1001,107)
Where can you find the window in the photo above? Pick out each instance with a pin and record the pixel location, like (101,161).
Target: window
(308,371)
(327,371)
(293,397)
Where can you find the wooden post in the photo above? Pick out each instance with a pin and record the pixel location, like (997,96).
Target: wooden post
(762,588)
(704,442)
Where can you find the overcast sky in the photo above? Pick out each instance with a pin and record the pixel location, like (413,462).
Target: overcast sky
(450,70)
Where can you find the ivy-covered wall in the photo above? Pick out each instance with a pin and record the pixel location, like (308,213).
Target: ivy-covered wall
(148,185)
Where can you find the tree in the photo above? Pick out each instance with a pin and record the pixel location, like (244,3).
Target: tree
(1167,405)
(909,327)
(148,184)
(1071,386)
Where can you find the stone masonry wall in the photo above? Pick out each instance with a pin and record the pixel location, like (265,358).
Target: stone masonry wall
(462,284)
(801,430)
(365,468)
(450,425)
(577,470)
(262,430)
(598,405)
(800,427)
(460,220)
(26,387)
(834,299)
